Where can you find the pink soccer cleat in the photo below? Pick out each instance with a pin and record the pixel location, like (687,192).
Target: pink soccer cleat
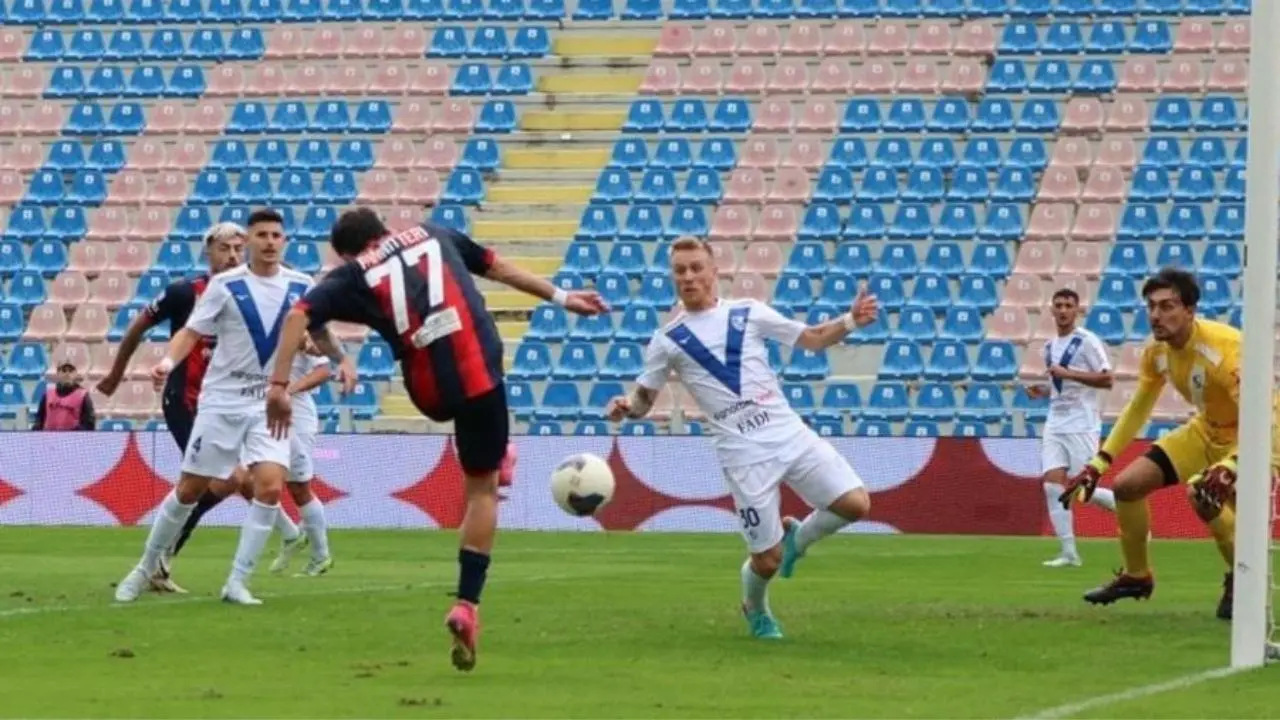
(463,622)
(507,472)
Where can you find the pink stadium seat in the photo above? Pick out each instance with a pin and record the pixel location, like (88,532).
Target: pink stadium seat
(89,323)
(10,119)
(790,75)
(818,115)
(730,222)
(1023,291)
(147,155)
(773,115)
(1037,257)
(148,355)
(25,81)
(421,187)
(846,38)
(41,119)
(1081,259)
(964,75)
(662,77)
(88,257)
(12,45)
(389,80)
(378,186)
(396,153)
(875,77)
(1234,37)
(760,152)
(804,153)
(1193,36)
(76,353)
(346,79)
(724,253)
(1095,222)
(777,222)
(108,223)
(1072,152)
(225,81)
(1229,75)
(167,117)
(803,38)
(919,76)
(764,258)
(1043,329)
(307,79)
(790,185)
(716,39)
(1139,74)
(747,76)
(112,288)
(170,188)
(889,38)
(401,217)
(1105,184)
(136,399)
(128,187)
(1050,221)
(406,41)
(47,323)
(702,77)
(1127,113)
(1183,76)
(1009,323)
(69,288)
(1117,151)
(1083,115)
(456,116)
(833,76)
(976,37)
(1032,365)
(151,223)
(440,153)
(101,357)
(285,42)
(266,80)
(430,79)
(24,156)
(1059,184)
(365,41)
(207,118)
(325,41)
(189,155)
(933,37)
(1128,361)
(749,285)
(675,40)
(12,187)
(412,116)
(745,185)
(132,257)
(761,39)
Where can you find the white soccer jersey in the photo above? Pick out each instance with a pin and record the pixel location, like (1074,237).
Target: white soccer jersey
(306,419)
(1073,406)
(721,357)
(245,312)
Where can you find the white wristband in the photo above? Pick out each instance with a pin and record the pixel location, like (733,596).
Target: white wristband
(560,297)
(849,323)
(167,363)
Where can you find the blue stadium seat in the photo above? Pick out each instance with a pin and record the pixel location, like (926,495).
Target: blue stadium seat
(944,258)
(1139,222)
(702,186)
(294,188)
(106,155)
(311,154)
(1003,222)
(577,361)
(902,361)
(615,289)
(1095,76)
(1107,324)
(888,289)
(800,397)
(376,360)
(1128,258)
(1176,254)
(1033,410)
(948,361)
(983,152)
(629,154)
(532,361)
(28,360)
(362,401)
(838,400)
(372,116)
(176,257)
(531,41)
(935,402)
(595,328)
(1218,112)
(1150,184)
(479,154)
(465,187)
(1117,291)
(46,188)
(1186,222)
(1063,37)
(996,360)
(1221,258)
(568,280)
(1014,184)
(150,285)
(11,258)
(673,154)
(938,153)
(613,186)
(520,399)
(849,153)
(583,258)
(1208,151)
(1233,187)
(548,323)
(792,292)
(234,154)
(88,187)
(821,221)
(496,116)
(688,219)
(878,185)
(924,184)
(887,402)
(993,115)
(623,361)
(916,324)
(688,115)
(983,403)
(626,258)
(730,115)
(598,399)
(490,41)
(642,223)
(513,79)
(964,324)
(897,258)
(1028,153)
(1171,114)
(807,258)
(957,222)
(48,45)
(1050,76)
(544,428)
(717,153)
(48,257)
(969,183)
(146,81)
(835,184)
(65,82)
(659,186)
(638,324)
(932,291)
(560,401)
(807,365)
(1151,36)
(12,398)
(644,116)
(292,117)
(905,115)
(1162,151)
(26,222)
(1216,295)
(249,117)
(448,41)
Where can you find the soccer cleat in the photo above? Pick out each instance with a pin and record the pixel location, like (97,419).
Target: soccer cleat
(1123,586)
(463,622)
(316,568)
(132,585)
(288,549)
(1225,604)
(761,624)
(162,580)
(237,594)
(1063,561)
(790,551)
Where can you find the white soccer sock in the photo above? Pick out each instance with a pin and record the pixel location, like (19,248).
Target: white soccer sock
(316,528)
(819,524)
(254,533)
(168,522)
(1104,499)
(288,530)
(1060,518)
(755,589)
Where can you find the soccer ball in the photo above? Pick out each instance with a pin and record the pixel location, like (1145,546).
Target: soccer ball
(582,484)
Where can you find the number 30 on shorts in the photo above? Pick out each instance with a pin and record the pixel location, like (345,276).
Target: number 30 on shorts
(750,518)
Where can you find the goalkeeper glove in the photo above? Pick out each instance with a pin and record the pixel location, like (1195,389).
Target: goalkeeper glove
(1086,481)
(1218,484)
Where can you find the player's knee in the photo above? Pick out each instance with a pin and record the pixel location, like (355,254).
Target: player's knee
(853,505)
(766,563)
(1138,480)
(482,484)
(268,483)
(300,492)
(190,488)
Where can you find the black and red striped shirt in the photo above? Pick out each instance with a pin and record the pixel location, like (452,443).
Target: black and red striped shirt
(175,305)
(415,289)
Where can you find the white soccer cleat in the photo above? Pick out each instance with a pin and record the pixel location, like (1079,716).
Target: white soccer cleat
(237,594)
(1064,561)
(133,585)
(316,568)
(288,549)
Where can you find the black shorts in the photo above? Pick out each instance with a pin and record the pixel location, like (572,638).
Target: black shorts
(180,420)
(481,428)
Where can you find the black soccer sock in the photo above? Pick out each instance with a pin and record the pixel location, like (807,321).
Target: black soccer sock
(472,567)
(207,502)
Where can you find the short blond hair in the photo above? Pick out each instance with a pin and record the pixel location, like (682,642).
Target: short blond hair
(689,242)
(223,231)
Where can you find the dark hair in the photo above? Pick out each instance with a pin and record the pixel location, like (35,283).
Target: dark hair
(265,215)
(1068,293)
(1181,282)
(354,230)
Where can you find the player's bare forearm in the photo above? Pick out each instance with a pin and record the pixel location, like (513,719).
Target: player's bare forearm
(138,327)
(823,336)
(1132,418)
(181,345)
(327,343)
(641,402)
(509,274)
(311,380)
(295,327)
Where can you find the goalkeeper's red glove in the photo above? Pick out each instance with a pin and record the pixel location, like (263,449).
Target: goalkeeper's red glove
(1086,481)
(1217,485)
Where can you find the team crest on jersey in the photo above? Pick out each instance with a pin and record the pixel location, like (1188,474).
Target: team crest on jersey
(738,322)
(1197,381)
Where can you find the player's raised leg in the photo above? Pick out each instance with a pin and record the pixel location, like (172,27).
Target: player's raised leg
(825,480)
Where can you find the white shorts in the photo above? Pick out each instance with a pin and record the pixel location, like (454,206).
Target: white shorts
(301,448)
(819,477)
(221,441)
(1071,451)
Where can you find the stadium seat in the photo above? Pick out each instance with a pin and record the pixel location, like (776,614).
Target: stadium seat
(887,402)
(560,401)
(596,328)
(934,402)
(916,324)
(983,403)
(948,361)
(902,361)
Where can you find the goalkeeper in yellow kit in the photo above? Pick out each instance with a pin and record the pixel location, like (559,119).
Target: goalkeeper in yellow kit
(1201,358)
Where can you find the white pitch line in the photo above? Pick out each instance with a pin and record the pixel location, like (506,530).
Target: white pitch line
(1178,683)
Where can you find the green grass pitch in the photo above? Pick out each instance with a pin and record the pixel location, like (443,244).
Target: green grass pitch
(612,625)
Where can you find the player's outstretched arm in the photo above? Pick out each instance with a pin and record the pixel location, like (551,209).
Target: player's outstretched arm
(634,406)
(581,302)
(180,346)
(864,311)
(138,327)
